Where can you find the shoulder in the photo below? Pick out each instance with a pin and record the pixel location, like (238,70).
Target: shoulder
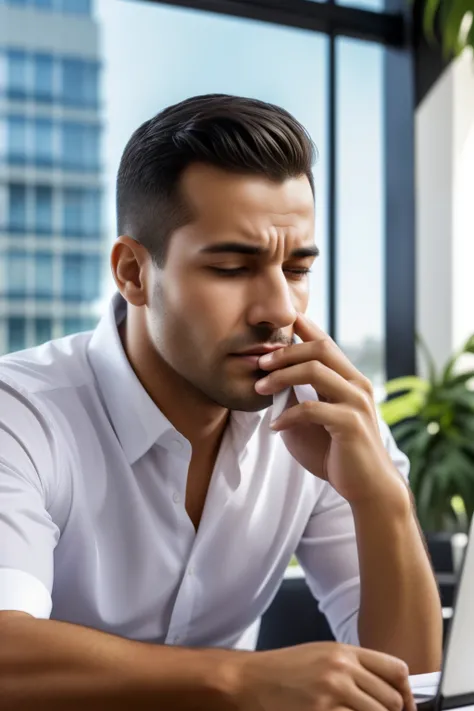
(33,385)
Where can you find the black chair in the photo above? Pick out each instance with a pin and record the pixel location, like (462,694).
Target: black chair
(293,618)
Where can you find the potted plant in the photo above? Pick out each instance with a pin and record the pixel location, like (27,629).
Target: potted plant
(432,420)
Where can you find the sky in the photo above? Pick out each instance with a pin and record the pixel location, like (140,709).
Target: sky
(155,55)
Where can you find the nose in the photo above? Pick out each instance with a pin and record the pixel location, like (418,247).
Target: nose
(272,301)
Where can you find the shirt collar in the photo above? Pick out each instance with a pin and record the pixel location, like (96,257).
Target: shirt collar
(136,419)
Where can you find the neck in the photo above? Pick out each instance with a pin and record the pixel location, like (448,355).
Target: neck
(198,419)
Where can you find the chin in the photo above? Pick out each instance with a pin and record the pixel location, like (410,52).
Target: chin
(246,403)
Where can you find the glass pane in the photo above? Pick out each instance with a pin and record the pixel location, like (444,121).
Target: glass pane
(361,206)
(43,210)
(73,146)
(91,276)
(16,138)
(72,325)
(72,81)
(44,4)
(43,145)
(91,136)
(17,74)
(81,7)
(43,77)
(44,275)
(91,215)
(374,5)
(72,277)
(16,274)
(16,334)
(17,208)
(72,211)
(43,330)
(282,65)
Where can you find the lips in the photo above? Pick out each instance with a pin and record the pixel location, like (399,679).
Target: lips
(259,350)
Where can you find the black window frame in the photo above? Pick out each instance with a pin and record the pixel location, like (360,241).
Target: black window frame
(393,28)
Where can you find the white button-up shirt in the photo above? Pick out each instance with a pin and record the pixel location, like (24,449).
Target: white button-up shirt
(93,526)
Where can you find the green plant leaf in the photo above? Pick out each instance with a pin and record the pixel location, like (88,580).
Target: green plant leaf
(406,429)
(401,408)
(462,378)
(429,17)
(470,43)
(407,383)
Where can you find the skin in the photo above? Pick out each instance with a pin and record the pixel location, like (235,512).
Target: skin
(184,323)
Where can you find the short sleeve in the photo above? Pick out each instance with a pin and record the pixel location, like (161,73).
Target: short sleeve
(28,535)
(328,553)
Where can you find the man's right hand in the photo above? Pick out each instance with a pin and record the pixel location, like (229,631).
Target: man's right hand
(323,676)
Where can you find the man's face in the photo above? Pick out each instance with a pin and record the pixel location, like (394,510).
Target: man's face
(233,281)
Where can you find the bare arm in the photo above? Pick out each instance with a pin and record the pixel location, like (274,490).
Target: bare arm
(400,611)
(55,666)
(58,666)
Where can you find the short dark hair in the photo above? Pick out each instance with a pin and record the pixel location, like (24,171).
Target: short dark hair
(233,133)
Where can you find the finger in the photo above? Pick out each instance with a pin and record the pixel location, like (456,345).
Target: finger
(324,380)
(336,418)
(326,349)
(358,700)
(392,669)
(386,694)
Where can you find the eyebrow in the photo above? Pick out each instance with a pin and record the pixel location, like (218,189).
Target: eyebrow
(253,250)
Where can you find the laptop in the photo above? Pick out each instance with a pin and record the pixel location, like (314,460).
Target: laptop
(456,685)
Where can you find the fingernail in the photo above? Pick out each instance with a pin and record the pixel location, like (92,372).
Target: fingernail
(261,385)
(266,359)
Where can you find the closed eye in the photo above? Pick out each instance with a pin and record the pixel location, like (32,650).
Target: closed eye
(297,273)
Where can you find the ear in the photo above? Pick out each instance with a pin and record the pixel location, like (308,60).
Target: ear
(130,263)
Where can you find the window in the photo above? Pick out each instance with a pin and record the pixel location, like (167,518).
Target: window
(17,208)
(72,148)
(43,210)
(73,211)
(79,82)
(82,277)
(79,7)
(16,139)
(16,274)
(360,206)
(43,275)
(80,146)
(72,277)
(82,212)
(44,4)
(16,334)
(92,223)
(43,77)
(91,276)
(17,74)
(43,145)
(43,330)
(77,324)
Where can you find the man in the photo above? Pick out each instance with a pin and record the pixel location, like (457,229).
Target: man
(149,506)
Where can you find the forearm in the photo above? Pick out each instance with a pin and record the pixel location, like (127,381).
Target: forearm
(57,666)
(400,611)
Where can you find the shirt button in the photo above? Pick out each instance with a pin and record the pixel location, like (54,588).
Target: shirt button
(191,570)
(176,497)
(177,445)
(177,640)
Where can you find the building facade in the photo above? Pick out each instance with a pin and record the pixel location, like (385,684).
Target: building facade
(52,240)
